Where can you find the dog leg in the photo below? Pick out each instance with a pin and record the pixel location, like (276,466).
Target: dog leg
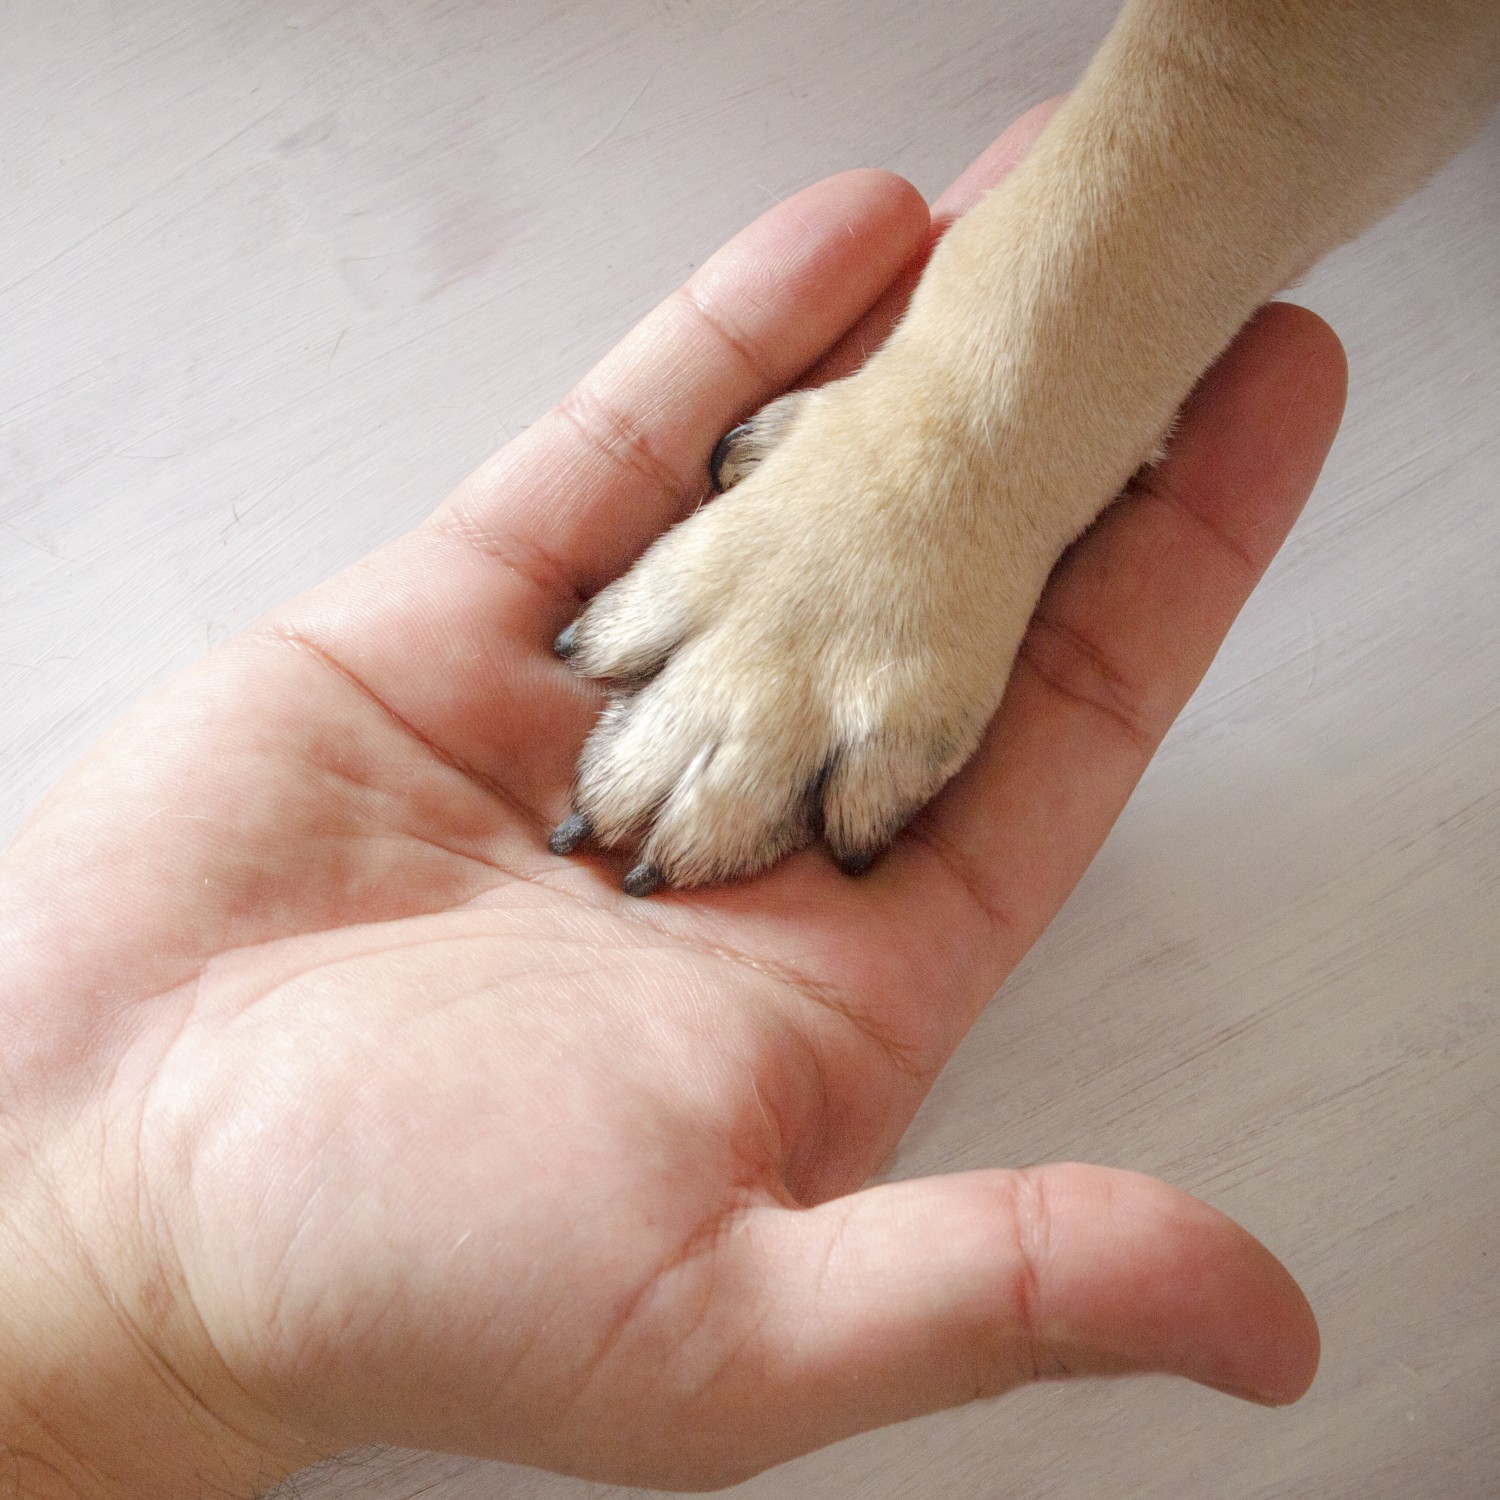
(819,650)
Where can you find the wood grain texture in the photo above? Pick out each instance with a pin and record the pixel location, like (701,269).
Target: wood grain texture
(274,277)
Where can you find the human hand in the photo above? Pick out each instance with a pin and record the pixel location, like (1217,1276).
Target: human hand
(336,1110)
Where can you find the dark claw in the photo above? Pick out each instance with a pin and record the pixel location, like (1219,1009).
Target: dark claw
(721,452)
(567,639)
(569,834)
(856,863)
(644,879)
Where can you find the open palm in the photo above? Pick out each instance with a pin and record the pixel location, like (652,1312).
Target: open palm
(401,1129)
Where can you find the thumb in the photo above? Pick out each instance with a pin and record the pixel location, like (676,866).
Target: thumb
(914,1296)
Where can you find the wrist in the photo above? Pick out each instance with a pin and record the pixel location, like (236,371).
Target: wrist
(103,1389)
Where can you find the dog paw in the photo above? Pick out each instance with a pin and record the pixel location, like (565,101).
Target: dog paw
(812,654)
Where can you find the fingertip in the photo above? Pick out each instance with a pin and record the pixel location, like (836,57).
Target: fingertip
(1149,1278)
(884,190)
(883,206)
(1312,339)
(1288,1364)
(870,223)
(1306,339)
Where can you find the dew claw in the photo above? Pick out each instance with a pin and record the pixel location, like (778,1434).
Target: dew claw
(721,452)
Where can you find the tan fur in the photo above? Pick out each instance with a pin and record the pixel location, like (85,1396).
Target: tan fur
(823,646)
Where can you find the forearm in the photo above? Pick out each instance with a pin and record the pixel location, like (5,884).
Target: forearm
(1209,157)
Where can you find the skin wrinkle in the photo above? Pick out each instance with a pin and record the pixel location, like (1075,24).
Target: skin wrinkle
(1153,485)
(644,920)
(723,1227)
(1081,659)
(172,1380)
(960,869)
(831,1250)
(764,377)
(287,635)
(711,1229)
(787,979)
(1031,1216)
(161,1369)
(525,560)
(158,1229)
(1293,399)
(278,1275)
(790,978)
(34,1461)
(407,946)
(826,998)
(619,440)
(737,1350)
(801,1164)
(189,1305)
(768,1162)
(729,1353)
(785,1168)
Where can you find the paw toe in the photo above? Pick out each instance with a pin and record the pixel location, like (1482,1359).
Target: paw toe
(629,630)
(880,782)
(738,808)
(630,764)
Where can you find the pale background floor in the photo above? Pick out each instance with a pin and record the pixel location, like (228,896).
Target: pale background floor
(273,277)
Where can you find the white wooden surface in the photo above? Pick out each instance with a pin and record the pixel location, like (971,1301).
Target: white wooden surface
(274,276)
